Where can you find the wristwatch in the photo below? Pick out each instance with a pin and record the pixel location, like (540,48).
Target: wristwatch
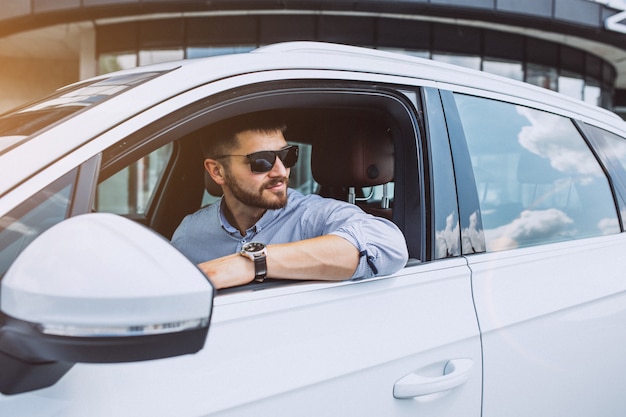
(256,252)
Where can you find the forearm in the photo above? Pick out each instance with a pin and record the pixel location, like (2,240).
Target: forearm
(328,257)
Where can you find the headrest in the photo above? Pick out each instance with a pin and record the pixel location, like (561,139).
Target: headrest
(356,155)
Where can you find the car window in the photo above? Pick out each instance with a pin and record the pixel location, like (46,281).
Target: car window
(612,150)
(30,219)
(536,178)
(129,191)
(17,125)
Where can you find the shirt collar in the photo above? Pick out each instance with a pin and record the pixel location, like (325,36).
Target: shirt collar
(266,219)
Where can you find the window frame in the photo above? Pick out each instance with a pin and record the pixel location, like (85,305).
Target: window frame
(610,167)
(282,94)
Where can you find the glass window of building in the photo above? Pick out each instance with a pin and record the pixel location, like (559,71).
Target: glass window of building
(206,51)
(514,70)
(571,86)
(417,53)
(115,62)
(550,65)
(467,61)
(592,93)
(542,75)
(156,56)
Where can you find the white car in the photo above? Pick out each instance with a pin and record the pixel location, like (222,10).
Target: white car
(512,200)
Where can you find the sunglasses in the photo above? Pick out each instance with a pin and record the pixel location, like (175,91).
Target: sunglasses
(263,161)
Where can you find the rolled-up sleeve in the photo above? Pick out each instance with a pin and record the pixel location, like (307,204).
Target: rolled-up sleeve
(380,243)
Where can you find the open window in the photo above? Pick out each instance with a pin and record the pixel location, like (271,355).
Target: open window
(358,143)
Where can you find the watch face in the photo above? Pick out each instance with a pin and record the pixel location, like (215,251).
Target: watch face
(254,247)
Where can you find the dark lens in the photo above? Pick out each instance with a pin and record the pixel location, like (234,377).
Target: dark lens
(262,161)
(289,156)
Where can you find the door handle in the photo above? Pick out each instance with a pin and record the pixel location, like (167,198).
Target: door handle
(455,373)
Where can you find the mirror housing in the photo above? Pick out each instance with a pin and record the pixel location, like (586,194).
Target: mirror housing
(97,288)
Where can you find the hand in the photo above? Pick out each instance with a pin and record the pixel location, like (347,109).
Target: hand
(228,271)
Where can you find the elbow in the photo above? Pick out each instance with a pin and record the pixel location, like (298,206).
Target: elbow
(380,263)
(394,264)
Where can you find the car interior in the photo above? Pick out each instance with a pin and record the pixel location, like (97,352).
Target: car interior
(346,155)
(352,148)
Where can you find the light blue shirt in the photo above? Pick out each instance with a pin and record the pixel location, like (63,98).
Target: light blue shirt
(206,234)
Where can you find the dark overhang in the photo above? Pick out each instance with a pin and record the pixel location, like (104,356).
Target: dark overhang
(582,18)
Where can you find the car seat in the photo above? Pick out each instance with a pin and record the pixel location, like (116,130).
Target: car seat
(352,156)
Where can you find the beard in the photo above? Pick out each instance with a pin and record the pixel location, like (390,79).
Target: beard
(256,198)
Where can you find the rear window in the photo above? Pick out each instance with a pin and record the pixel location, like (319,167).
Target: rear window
(537,179)
(17,125)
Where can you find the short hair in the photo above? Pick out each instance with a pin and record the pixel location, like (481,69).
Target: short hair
(222,136)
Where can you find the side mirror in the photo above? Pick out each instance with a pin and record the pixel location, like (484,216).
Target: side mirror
(97,288)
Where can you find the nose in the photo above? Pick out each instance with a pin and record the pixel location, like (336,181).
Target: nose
(279,170)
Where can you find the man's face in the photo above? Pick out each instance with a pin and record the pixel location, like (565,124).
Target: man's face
(266,190)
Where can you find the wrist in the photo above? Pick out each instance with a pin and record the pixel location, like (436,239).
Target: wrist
(257,253)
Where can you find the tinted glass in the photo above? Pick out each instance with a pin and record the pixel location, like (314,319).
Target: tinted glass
(612,150)
(130,190)
(30,219)
(27,120)
(537,180)
(447,233)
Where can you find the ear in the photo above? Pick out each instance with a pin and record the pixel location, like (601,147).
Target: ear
(215,170)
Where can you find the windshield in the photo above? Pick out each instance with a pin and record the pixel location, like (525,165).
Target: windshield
(17,125)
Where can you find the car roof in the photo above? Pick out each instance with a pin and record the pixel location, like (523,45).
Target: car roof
(394,63)
(179,76)
(329,56)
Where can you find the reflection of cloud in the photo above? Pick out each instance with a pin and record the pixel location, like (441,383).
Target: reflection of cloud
(532,224)
(472,236)
(609,226)
(555,138)
(447,240)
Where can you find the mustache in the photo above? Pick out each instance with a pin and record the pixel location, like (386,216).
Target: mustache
(275,181)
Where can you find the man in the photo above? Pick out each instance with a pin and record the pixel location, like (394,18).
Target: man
(293,236)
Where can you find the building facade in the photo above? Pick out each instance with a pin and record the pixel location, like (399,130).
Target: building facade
(577,47)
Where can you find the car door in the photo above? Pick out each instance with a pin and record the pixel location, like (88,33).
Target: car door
(548,281)
(310,349)
(405,344)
